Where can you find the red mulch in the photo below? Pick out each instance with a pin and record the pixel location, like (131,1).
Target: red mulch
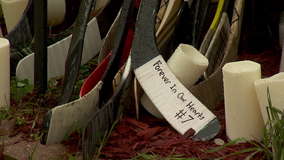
(150,134)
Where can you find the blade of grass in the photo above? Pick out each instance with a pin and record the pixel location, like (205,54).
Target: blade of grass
(145,156)
(171,156)
(251,155)
(68,132)
(246,150)
(237,140)
(261,146)
(70,156)
(106,136)
(31,158)
(98,133)
(79,130)
(35,121)
(282,154)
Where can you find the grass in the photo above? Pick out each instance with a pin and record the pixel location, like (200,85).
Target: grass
(270,148)
(79,131)
(149,155)
(33,152)
(27,104)
(272,145)
(274,132)
(104,141)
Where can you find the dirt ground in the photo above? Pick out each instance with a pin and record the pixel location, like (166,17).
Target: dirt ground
(17,149)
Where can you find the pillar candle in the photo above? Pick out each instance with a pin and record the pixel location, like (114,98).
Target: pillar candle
(276,90)
(187,64)
(13,11)
(242,112)
(55,12)
(5,72)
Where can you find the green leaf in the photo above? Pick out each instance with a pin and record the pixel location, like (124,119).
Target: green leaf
(52,83)
(86,68)
(26,81)
(17,93)
(28,88)
(20,88)
(20,84)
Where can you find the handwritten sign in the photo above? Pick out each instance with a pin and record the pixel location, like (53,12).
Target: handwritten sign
(179,107)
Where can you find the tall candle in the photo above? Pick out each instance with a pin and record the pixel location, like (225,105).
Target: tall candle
(13,11)
(5,72)
(242,112)
(187,64)
(276,90)
(55,12)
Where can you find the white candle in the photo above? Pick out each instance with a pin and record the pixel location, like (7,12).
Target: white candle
(13,11)
(276,90)
(187,64)
(55,12)
(5,72)
(242,112)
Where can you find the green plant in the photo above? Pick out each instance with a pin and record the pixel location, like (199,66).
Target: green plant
(274,132)
(20,88)
(35,135)
(52,83)
(5,112)
(71,157)
(272,145)
(33,152)
(149,155)
(21,121)
(105,138)
(146,156)
(86,69)
(79,131)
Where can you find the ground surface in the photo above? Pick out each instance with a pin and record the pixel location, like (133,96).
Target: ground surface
(16,148)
